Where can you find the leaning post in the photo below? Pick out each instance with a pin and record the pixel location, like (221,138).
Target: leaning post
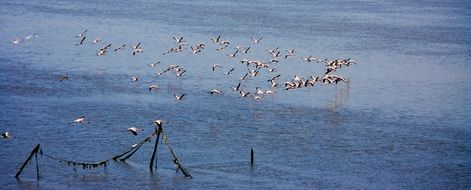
(34,152)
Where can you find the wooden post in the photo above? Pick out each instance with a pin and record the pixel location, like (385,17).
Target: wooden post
(151,164)
(35,151)
(251,156)
(37,164)
(175,159)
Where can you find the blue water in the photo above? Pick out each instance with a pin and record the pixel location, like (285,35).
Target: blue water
(401,123)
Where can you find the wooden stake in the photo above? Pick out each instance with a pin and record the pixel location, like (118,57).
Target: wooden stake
(175,159)
(37,165)
(35,151)
(151,164)
(251,156)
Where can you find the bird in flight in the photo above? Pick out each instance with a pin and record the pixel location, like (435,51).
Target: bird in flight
(177,98)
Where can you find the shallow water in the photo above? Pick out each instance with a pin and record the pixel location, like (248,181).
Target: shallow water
(402,121)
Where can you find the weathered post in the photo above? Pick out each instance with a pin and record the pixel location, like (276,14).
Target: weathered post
(37,164)
(251,156)
(158,131)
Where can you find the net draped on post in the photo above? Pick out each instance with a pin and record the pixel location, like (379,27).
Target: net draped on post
(121,157)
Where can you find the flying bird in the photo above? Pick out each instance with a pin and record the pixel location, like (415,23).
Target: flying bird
(153,87)
(81,34)
(257,40)
(158,122)
(6,135)
(229,72)
(236,88)
(63,77)
(177,98)
(244,77)
(216,65)
(134,130)
(97,40)
(244,94)
(81,41)
(16,41)
(233,55)
(216,40)
(215,92)
(80,119)
(178,40)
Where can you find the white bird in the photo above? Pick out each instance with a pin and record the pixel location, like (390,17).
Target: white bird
(120,47)
(259,91)
(137,50)
(177,98)
(229,72)
(257,97)
(246,50)
(16,41)
(153,87)
(97,40)
(216,65)
(6,135)
(257,40)
(195,50)
(225,42)
(273,82)
(158,122)
(216,40)
(179,74)
(307,59)
(134,130)
(153,64)
(244,94)
(80,119)
(81,41)
(178,40)
(31,36)
(236,88)
(273,50)
(290,52)
(221,47)
(340,79)
(136,46)
(215,92)
(245,76)
(135,78)
(233,55)
(81,34)
(253,72)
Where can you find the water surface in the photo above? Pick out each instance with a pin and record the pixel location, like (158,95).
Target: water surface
(402,121)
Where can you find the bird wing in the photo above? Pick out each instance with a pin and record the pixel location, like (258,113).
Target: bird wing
(83,39)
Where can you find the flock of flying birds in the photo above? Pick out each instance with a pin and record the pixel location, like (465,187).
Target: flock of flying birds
(254,67)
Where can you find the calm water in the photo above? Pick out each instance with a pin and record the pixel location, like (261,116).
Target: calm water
(402,122)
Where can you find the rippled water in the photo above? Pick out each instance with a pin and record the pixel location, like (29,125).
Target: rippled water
(402,121)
